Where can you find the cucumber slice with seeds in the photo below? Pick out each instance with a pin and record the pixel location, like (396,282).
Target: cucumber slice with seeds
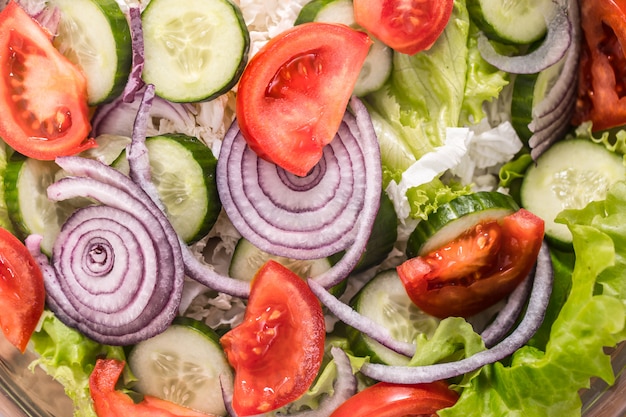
(94,35)
(569,175)
(384,300)
(455,217)
(377,66)
(183,170)
(195,50)
(182,365)
(512,21)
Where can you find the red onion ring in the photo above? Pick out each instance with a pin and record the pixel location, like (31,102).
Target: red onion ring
(135,83)
(533,317)
(552,49)
(117,269)
(325,212)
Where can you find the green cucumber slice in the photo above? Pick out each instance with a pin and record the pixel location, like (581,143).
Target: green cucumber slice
(384,300)
(528,91)
(195,50)
(94,35)
(455,217)
(247,259)
(183,170)
(26,183)
(182,365)
(377,66)
(514,22)
(569,175)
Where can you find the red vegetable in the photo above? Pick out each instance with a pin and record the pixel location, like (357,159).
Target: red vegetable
(405,26)
(294,92)
(22,293)
(602,72)
(108,402)
(277,351)
(477,269)
(43,96)
(395,400)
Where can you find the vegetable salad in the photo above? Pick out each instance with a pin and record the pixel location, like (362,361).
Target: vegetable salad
(467,120)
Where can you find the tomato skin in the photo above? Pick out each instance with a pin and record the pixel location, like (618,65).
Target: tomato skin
(43,96)
(496,257)
(394,400)
(108,402)
(277,351)
(293,93)
(22,292)
(406,27)
(602,70)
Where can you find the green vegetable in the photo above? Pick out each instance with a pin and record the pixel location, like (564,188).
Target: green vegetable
(69,357)
(545,382)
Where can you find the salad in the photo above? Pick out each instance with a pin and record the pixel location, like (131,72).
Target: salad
(314,207)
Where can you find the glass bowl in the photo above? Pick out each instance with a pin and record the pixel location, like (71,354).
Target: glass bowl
(32,393)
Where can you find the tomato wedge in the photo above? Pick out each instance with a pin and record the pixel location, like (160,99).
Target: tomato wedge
(408,27)
(602,70)
(109,402)
(277,351)
(293,94)
(394,400)
(477,269)
(43,96)
(22,292)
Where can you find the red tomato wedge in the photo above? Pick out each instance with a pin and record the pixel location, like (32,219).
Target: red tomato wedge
(394,400)
(22,292)
(407,26)
(109,402)
(43,96)
(277,351)
(293,94)
(476,270)
(602,70)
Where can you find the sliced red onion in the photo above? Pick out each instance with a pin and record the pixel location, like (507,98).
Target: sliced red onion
(561,98)
(505,320)
(556,43)
(118,269)
(118,116)
(135,83)
(311,217)
(363,324)
(533,317)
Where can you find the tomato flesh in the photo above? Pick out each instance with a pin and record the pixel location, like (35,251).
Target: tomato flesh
(109,402)
(277,351)
(394,400)
(43,96)
(602,77)
(22,292)
(407,26)
(293,93)
(477,269)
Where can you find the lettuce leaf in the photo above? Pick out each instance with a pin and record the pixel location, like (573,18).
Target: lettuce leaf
(69,357)
(546,382)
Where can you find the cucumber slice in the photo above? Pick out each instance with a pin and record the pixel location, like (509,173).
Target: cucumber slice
(384,300)
(377,66)
(183,170)
(182,365)
(455,217)
(569,175)
(514,22)
(26,183)
(528,91)
(247,259)
(94,35)
(195,50)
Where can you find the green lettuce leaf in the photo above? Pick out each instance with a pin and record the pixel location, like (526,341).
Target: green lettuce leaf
(545,382)
(69,357)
